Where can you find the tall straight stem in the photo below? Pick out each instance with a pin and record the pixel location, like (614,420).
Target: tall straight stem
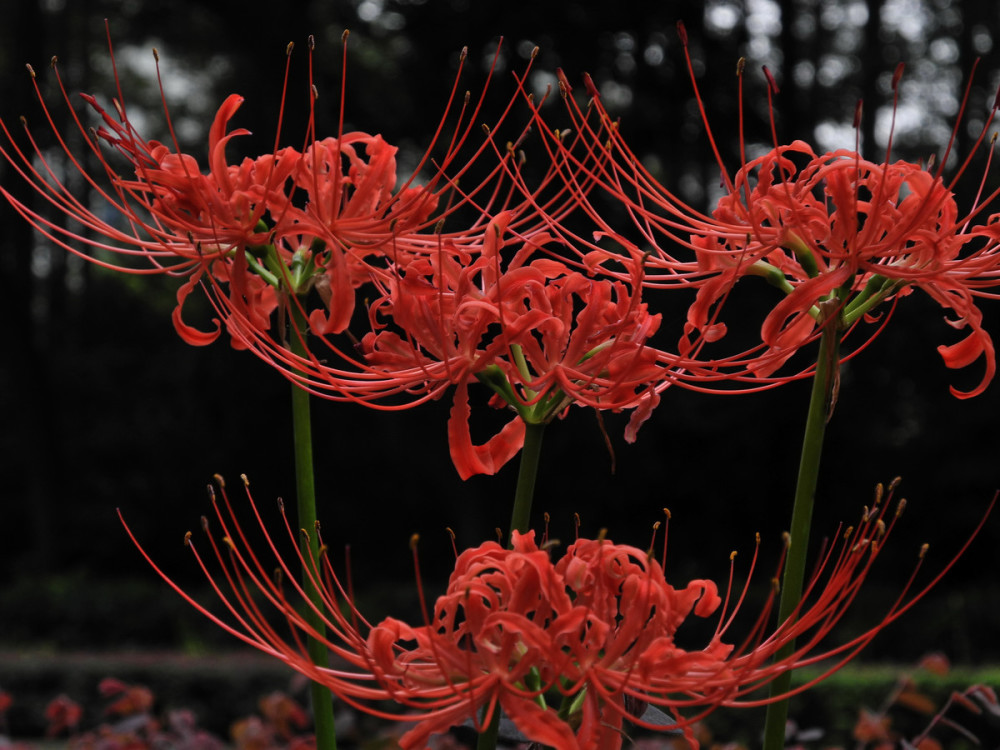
(305,484)
(520,519)
(820,405)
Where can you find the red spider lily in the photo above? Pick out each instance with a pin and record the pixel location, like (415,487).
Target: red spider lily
(568,649)
(258,233)
(538,333)
(832,231)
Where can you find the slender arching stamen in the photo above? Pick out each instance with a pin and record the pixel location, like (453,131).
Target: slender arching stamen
(682,33)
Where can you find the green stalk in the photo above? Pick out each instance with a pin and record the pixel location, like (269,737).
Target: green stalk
(520,519)
(488,737)
(820,406)
(322,700)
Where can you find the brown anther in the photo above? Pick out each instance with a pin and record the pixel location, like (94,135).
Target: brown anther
(315,92)
(757,537)
(775,585)
(289,47)
(322,550)
(499,534)
(156,54)
(602,535)
(534,52)
(343,37)
(451,532)
(894,484)
(31,70)
(311,42)
(463,54)
(281,505)
(211,493)
(901,507)
(316,525)
(546,516)
(53,61)
(879,492)
(219,480)
(486,128)
(228,542)
(187,538)
(24,121)
(468,97)
(656,526)
(666,512)
(786,539)
(740,65)
(732,555)
(204,523)
(880,528)
(413,541)
(847,532)
(246,482)
(923,550)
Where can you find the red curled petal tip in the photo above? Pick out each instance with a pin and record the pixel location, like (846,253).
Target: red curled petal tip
(772,84)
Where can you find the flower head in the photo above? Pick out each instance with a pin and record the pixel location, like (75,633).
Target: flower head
(569,648)
(260,235)
(539,333)
(840,236)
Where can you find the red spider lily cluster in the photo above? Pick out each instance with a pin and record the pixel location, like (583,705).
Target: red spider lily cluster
(569,648)
(283,244)
(836,233)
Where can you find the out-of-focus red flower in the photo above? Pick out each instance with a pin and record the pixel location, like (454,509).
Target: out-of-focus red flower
(128,699)
(567,648)
(63,714)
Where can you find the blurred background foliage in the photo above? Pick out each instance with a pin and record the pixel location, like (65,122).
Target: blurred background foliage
(103,407)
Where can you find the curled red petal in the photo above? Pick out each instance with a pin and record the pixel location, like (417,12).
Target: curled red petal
(470,459)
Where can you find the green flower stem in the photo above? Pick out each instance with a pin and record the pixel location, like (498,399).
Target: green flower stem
(488,737)
(322,700)
(820,405)
(520,519)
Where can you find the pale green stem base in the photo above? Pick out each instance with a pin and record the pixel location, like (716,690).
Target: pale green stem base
(820,405)
(322,700)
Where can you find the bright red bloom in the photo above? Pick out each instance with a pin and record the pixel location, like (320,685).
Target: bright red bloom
(258,235)
(539,333)
(568,649)
(834,232)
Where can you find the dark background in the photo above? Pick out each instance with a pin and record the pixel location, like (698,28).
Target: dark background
(103,407)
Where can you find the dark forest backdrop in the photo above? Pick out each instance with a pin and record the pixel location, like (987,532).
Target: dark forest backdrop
(102,406)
